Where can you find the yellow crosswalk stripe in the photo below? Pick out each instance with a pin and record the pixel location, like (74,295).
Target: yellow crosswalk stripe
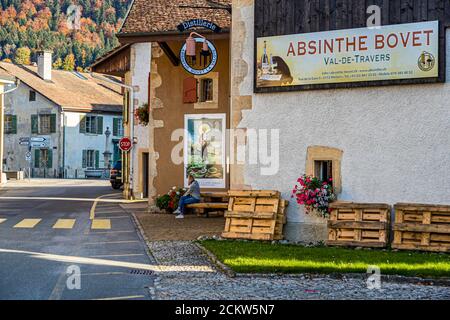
(27,223)
(101,224)
(64,224)
(2,220)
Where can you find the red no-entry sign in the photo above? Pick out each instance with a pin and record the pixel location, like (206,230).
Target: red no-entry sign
(125,144)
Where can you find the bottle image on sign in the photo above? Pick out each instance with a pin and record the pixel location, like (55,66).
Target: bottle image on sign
(265,66)
(272,70)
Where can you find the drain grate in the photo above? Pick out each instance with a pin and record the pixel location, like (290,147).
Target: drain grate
(142,272)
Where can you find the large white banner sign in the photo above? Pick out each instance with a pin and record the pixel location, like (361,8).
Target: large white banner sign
(404,51)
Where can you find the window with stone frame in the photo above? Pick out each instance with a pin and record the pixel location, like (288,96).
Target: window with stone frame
(325,163)
(206,90)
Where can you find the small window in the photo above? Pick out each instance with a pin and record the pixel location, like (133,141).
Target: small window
(45,123)
(323,170)
(43,159)
(117,127)
(91,124)
(90,158)
(10,124)
(206,90)
(32,95)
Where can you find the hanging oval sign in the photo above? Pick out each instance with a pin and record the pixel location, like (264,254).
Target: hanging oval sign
(196,67)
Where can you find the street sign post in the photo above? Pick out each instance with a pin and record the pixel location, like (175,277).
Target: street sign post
(38,139)
(125,144)
(38,144)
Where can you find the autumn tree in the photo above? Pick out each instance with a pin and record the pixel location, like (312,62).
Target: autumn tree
(58,64)
(22,56)
(42,25)
(69,62)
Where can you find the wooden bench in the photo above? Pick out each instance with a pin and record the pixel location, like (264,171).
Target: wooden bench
(211,201)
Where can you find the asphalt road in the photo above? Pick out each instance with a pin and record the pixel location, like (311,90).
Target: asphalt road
(47,236)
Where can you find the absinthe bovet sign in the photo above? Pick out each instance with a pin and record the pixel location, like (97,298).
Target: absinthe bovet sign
(301,46)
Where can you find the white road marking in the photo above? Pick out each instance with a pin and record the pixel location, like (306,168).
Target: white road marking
(74,199)
(120,298)
(109,242)
(118,255)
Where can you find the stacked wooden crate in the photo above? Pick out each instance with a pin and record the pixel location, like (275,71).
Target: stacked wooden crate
(359,225)
(422,227)
(281,220)
(254,215)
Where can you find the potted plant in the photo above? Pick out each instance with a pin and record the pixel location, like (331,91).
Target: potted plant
(142,115)
(169,202)
(315,194)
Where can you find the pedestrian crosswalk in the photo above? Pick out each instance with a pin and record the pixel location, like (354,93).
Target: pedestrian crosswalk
(27,223)
(63,224)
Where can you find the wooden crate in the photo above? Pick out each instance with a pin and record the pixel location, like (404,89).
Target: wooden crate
(253,215)
(422,227)
(281,220)
(359,225)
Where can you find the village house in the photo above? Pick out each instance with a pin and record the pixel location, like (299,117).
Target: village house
(152,36)
(7,82)
(66,116)
(366,108)
(378,126)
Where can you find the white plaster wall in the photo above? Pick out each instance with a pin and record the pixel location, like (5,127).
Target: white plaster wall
(140,70)
(17,103)
(76,142)
(396,139)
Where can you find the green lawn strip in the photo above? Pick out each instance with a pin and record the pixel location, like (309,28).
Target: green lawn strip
(258,257)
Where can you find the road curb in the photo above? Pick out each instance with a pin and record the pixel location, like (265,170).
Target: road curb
(216,262)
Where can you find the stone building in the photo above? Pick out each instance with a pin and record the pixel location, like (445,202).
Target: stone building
(66,114)
(149,60)
(385,141)
(379,131)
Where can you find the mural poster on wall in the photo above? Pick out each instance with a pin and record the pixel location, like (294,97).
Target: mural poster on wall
(404,51)
(204,146)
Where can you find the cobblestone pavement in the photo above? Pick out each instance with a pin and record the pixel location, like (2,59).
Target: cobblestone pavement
(186,273)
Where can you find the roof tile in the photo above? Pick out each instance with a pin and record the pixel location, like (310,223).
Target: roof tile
(159,16)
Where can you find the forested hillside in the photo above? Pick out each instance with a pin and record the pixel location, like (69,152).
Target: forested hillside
(27,26)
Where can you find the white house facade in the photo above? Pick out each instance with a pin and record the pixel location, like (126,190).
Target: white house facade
(387,144)
(64,126)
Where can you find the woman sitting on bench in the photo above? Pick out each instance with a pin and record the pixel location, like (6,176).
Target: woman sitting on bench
(191,196)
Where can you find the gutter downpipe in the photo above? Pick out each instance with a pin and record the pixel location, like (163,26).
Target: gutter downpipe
(131,121)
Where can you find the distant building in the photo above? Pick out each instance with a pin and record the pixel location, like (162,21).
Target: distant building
(71,111)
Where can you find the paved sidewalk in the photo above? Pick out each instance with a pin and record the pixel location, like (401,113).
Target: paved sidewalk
(198,279)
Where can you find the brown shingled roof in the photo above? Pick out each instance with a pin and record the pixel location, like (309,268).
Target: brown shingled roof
(159,16)
(69,91)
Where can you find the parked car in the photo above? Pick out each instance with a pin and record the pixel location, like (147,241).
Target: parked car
(116,175)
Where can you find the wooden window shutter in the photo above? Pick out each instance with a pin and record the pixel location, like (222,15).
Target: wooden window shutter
(99,125)
(37,161)
(53,123)
(14,124)
(84,165)
(34,124)
(190,90)
(115,127)
(97,159)
(49,158)
(82,124)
